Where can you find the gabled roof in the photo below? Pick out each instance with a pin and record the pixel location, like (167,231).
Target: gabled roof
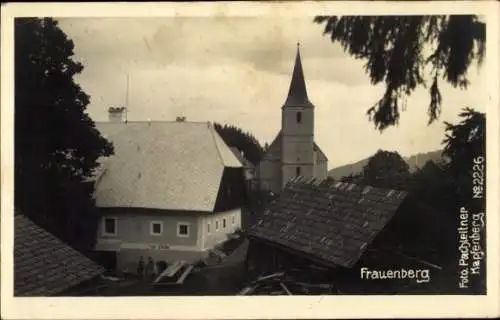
(163,165)
(276,144)
(43,264)
(321,154)
(274,150)
(240,157)
(330,221)
(297,94)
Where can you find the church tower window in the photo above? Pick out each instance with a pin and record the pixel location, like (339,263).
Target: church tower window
(299,117)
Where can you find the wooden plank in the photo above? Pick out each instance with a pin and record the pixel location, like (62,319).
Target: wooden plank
(314,285)
(161,276)
(274,275)
(176,268)
(247,290)
(184,274)
(170,271)
(285,288)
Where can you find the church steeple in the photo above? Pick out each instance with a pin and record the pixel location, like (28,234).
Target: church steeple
(297,94)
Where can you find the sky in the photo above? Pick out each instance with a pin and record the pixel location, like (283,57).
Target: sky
(237,70)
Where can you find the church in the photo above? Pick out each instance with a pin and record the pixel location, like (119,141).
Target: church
(293,152)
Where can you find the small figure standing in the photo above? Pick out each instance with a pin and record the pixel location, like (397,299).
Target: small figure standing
(150,268)
(140,267)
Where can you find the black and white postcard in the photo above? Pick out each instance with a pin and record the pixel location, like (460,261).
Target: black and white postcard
(250,160)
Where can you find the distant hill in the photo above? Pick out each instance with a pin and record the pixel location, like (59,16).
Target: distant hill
(419,160)
(414,162)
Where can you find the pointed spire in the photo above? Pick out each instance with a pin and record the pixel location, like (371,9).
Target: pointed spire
(297,94)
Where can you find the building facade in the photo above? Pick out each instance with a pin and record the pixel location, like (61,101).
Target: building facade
(294,151)
(159,199)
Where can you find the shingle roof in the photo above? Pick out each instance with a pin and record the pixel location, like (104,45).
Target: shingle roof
(330,221)
(43,264)
(163,165)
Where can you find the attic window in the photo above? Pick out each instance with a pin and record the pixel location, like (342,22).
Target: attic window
(299,117)
(351,186)
(390,193)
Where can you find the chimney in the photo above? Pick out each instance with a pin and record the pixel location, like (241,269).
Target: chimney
(116,115)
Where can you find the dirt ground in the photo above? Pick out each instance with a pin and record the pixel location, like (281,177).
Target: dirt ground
(225,278)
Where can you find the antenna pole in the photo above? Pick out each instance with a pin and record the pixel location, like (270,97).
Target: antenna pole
(127,96)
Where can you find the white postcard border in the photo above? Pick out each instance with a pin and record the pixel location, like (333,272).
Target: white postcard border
(250,307)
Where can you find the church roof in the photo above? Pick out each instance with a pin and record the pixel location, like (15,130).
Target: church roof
(297,94)
(275,146)
(163,165)
(327,221)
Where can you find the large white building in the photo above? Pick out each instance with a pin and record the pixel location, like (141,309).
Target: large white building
(172,191)
(293,152)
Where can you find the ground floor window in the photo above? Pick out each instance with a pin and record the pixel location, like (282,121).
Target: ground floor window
(156,228)
(224,223)
(216,225)
(109,228)
(234,220)
(183,229)
(208,227)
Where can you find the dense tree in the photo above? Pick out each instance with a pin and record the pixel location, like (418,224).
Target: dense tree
(424,227)
(386,169)
(466,140)
(428,220)
(56,143)
(243,141)
(356,178)
(465,145)
(394,48)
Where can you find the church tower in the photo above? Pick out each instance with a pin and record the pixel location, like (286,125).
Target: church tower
(297,128)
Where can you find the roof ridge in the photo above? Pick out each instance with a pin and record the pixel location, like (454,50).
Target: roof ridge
(214,132)
(153,121)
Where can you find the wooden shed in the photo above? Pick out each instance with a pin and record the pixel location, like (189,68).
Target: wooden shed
(318,229)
